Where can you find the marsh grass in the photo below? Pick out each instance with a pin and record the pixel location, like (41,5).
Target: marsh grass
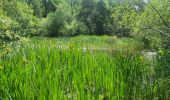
(95,42)
(46,71)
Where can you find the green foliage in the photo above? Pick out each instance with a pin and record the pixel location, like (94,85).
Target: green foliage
(162,73)
(84,68)
(148,21)
(38,7)
(87,13)
(53,25)
(153,24)
(17,19)
(29,24)
(96,15)
(80,17)
(103,18)
(7,27)
(124,17)
(73,28)
(62,22)
(42,69)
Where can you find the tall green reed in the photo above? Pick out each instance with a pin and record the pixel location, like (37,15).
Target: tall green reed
(44,70)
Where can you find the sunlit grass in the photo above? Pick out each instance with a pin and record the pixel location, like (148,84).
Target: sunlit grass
(60,69)
(107,43)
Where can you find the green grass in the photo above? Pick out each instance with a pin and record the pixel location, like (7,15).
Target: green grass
(60,69)
(107,43)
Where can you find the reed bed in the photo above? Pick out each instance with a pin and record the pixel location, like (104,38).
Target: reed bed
(46,71)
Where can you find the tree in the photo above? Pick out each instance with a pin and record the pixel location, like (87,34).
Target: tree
(96,14)
(22,14)
(87,15)
(7,27)
(49,6)
(103,18)
(153,24)
(63,21)
(37,6)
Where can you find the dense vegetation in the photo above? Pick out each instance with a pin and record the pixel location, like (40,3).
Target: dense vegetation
(58,69)
(145,19)
(85,49)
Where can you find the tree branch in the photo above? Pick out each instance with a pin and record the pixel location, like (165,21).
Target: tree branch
(160,16)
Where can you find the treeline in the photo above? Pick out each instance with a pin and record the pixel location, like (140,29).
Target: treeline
(148,20)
